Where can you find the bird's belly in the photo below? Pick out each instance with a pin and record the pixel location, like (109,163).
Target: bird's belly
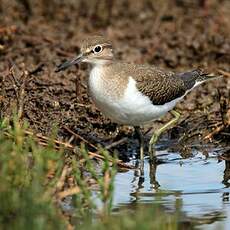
(132,112)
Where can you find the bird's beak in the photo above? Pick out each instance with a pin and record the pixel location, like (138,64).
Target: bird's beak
(67,64)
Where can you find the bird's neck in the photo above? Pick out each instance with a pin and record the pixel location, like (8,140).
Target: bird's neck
(101,63)
(100,68)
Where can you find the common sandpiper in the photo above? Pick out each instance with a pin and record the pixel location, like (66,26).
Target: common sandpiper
(133,94)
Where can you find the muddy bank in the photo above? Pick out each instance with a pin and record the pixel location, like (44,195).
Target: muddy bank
(177,35)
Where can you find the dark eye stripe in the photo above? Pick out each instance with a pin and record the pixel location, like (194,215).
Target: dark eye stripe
(107,46)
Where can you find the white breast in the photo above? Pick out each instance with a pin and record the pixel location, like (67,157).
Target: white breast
(133,108)
(101,95)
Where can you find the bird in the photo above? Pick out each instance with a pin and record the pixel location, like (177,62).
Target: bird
(133,94)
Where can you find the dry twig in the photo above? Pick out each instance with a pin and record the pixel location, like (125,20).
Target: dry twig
(80,137)
(112,145)
(215,131)
(68,192)
(61,181)
(42,140)
(225,73)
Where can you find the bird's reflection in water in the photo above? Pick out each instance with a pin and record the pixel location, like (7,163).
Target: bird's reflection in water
(152,175)
(144,171)
(226,176)
(138,179)
(145,182)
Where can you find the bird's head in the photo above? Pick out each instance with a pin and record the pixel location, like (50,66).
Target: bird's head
(94,50)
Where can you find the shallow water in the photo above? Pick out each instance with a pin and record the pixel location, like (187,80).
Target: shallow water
(193,186)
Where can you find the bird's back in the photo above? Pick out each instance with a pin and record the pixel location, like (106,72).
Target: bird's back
(161,86)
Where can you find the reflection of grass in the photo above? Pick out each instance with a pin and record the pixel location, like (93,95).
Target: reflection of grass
(35,179)
(141,218)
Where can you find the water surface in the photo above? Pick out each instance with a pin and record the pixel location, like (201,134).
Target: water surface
(196,187)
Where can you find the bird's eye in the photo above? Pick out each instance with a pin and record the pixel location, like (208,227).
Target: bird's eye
(97,49)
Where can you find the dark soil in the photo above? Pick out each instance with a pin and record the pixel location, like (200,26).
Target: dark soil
(178,35)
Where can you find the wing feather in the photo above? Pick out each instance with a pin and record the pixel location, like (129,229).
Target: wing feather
(160,86)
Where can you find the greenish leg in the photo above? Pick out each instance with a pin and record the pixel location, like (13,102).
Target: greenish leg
(158,132)
(141,141)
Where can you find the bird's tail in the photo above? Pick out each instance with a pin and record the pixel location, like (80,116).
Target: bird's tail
(196,77)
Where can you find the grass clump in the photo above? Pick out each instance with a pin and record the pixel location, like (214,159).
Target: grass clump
(26,191)
(34,182)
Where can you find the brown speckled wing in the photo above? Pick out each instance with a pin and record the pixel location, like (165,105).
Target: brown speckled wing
(160,86)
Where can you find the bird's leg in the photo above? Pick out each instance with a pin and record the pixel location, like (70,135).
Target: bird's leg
(158,132)
(141,141)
